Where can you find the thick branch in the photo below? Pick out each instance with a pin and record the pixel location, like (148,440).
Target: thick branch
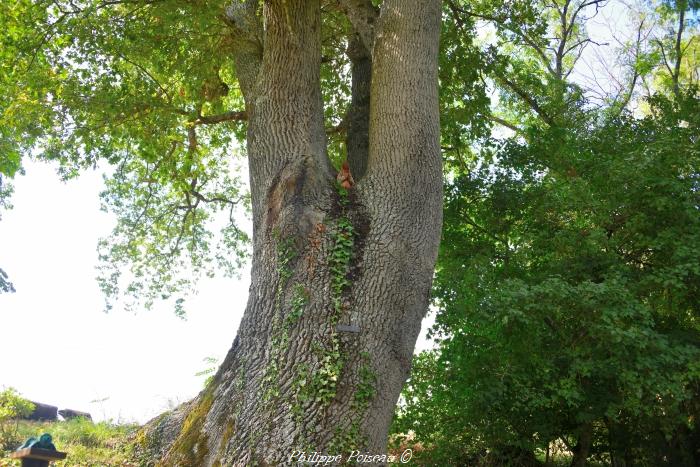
(362,14)
(247,37)
(191,140)
(286,121)
(567,32)
(404,111)
(675,76)
(214,199)
(566,29)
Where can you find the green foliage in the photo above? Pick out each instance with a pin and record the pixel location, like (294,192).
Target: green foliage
(12,408)
(300,298)
(676,59)
(300,389)
(331,360)
(568,276)
(165,226)
(343,238)
(286,253)
(567,280)
(130,84)
(147,90)
(568,284)
(347,440)
(212,365)
(325,378)
(339,260)
(335,79)
(366,388)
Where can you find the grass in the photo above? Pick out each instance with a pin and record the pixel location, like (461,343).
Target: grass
(87,443)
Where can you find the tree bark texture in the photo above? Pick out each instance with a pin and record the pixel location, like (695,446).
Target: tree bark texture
(357,118)
(340,278)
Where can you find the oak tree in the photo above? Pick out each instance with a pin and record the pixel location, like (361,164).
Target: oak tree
(160,90)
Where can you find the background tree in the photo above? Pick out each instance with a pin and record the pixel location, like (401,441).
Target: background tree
(674,48)
(566,281)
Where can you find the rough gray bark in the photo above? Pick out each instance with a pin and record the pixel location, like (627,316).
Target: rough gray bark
(362,14)
(323,258)
(357,118)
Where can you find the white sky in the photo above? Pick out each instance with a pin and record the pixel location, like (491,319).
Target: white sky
(56,344)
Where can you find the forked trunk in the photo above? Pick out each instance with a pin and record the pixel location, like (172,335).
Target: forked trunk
(340,278)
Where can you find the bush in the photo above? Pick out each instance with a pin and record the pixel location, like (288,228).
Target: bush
(86,443)
(12,408)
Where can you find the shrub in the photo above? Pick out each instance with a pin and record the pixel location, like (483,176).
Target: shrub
(12,407)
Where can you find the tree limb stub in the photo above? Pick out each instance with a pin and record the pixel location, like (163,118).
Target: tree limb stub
(247,35)
(362,14)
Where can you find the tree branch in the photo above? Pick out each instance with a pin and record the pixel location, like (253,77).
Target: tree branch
(529,100)
(583,5)
(635,72)
(499,22)
(217,199)
(356,120)
(242,18)
(505,123)
(481,229)
(679,52)
(663,55)
(235,115)
(145,71)
(247,42)
(191,139)
(584,41)
(362,14)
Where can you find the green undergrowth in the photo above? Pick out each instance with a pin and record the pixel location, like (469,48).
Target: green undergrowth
(87,443)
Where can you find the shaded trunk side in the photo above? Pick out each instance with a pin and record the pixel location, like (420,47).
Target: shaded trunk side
(357,118)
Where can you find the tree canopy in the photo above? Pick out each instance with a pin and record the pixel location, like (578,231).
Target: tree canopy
(149,89)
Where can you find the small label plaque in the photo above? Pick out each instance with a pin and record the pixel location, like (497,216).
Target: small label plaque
(347,328)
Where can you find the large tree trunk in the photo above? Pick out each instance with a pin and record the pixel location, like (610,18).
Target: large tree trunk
(340,279)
